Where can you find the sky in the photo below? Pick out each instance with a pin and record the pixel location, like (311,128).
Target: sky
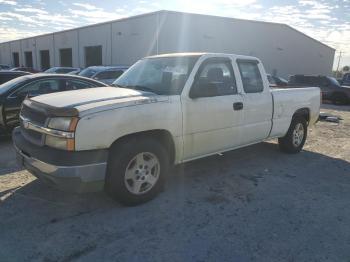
(326,20)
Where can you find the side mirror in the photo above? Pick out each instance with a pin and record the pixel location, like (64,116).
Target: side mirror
(203,90)
(195,91)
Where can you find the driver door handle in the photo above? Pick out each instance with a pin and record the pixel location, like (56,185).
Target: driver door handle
(237,106)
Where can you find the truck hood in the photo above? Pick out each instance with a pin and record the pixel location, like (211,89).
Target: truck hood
(97,99)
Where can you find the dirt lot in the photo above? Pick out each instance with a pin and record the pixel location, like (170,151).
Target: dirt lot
(253,204)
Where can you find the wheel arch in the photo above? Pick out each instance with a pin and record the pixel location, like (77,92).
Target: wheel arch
(303,112)
(161,135)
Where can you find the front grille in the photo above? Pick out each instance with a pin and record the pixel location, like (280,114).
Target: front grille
(32,136)
(34,116)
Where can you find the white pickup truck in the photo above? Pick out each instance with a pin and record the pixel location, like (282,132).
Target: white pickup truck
(165,110)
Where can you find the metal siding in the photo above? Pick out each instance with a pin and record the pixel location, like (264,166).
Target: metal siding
(67,39)
(15,46)
(102,36)
(134,39)
(45,43)
(280,47)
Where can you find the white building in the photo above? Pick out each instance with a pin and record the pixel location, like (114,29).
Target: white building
(282,49)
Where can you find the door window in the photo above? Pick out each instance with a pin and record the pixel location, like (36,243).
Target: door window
(251,77)
(76,85)
(215,78)
(40,87)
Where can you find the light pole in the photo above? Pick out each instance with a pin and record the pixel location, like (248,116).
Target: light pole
(340,53)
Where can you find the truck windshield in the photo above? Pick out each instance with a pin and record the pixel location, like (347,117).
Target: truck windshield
(160,75)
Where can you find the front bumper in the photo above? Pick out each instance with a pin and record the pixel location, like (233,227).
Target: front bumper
(70,171)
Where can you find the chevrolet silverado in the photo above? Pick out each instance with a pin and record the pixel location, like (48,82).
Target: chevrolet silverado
(165,110)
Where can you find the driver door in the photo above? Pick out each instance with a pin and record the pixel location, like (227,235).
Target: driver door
(213,111)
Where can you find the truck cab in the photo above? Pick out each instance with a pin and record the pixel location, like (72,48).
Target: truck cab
(165,110)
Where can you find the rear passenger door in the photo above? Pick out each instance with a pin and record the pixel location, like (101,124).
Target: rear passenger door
(257,102)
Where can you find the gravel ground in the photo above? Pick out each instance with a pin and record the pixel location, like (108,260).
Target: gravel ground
(252,204)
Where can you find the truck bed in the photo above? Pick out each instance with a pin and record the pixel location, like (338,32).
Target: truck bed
(287,100)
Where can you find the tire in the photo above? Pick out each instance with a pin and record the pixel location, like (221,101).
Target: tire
(132,167)
(293,143)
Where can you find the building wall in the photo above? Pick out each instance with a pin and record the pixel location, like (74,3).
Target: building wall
(66,39)
(133,39)
(29,45)
(15,47)
(45,43)
(102,37)
(282,49)
(5,51)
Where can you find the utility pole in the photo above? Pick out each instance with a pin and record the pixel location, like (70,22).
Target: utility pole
(340,53)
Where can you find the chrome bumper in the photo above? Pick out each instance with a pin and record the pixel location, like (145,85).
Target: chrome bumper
(84,178)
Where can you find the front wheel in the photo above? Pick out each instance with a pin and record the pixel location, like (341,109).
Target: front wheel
(295,138)
(136,171)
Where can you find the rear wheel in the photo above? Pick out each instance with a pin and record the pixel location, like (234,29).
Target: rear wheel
(136,171)
(295,138)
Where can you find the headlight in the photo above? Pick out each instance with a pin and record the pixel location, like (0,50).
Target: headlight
(63,123)
(61,134)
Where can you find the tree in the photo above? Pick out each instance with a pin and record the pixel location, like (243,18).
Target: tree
(346,68)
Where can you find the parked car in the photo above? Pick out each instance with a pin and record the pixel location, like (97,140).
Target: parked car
(26,69)
(169,109)
(75,72)
(276,81)
(330,87)
(6,75)
(61,70)
(13,92)
(105,74)
(4,67)
(345,81)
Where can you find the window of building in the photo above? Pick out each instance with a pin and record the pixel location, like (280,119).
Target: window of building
(28,57)
(66,57)
(45,59)
(15,58)
(251,77)
(93,55)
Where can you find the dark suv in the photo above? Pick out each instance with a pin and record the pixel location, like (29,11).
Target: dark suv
(330,87)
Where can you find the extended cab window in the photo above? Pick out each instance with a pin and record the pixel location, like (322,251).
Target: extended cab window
(215,78)
(251,77)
